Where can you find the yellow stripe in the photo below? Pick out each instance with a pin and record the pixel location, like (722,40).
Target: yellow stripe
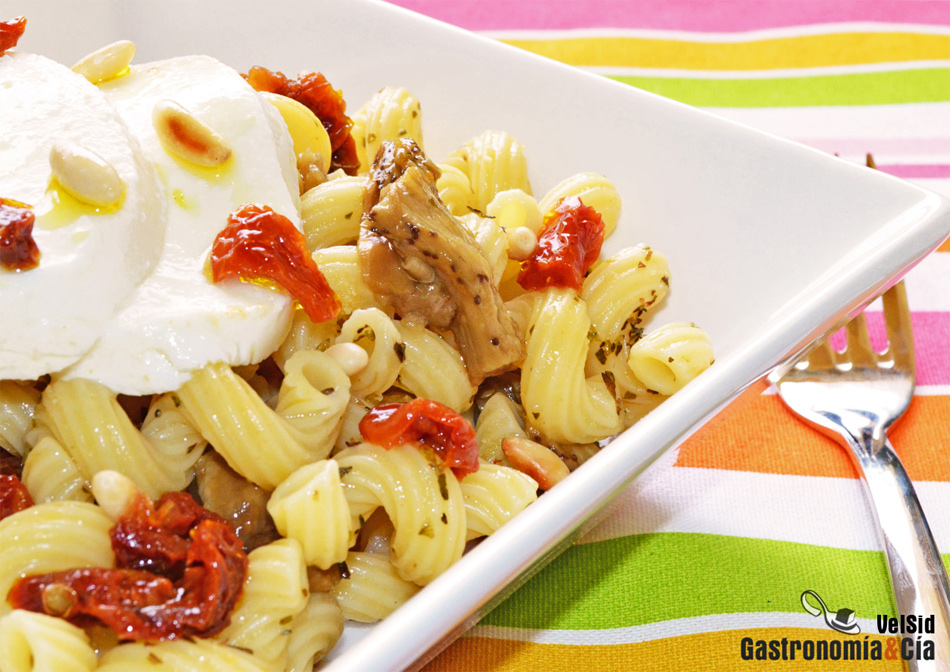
(710,652)
(805,51)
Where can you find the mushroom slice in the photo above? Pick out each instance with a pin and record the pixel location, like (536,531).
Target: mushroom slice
(419,259)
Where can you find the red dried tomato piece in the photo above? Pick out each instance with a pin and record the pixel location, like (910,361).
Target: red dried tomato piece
(314,91)
(429,423)
(11,32)
(203,567)
(570,242)
(18,250)
(259,243)
(13,496)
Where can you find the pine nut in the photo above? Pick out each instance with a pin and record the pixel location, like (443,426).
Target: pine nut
(351,357)
(521,243)
(109,62)
(114,492)
(85,175)
(537,461)
(187,137)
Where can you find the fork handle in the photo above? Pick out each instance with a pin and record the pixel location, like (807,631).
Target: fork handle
(917,571)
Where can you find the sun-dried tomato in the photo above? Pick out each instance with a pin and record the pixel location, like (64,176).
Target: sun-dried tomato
(198,568)
(13,496)
(18,250)
(570,242)
(429,423)
(11,32)
(259,243)
(314,91)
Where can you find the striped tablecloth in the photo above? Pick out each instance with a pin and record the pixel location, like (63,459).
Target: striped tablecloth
(718,541)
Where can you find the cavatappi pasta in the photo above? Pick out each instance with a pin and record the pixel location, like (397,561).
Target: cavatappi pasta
(298,472)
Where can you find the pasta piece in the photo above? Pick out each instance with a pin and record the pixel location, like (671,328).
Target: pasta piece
(494,162)
(390,114)
(314,632)
(514,208)
(350,435)
(499,419)
(92,427)
(181,655)
(455,190)
(576,410)
(433,369)
(310,508)
(331,212)
(373,590)
(521,308)
(624,287)
(429,524)
(32,642)
(358,131)
(274,592)
(494,495)
(52,537)
(263,445)
(51,475)
(305,335)
(17,403)
(671,356)
(594,190)
(492,241)
(340,264)
(374,331)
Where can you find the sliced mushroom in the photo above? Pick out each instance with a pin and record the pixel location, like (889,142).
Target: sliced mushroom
(417,258)
(234,498)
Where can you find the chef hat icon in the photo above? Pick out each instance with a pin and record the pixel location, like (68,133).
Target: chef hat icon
(841,621)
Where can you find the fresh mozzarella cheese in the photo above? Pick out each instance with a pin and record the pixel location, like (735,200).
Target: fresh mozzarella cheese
(91,259)
(178,320)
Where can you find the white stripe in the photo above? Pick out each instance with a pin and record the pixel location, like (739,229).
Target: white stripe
(664,629)
(804,509)
(909,120)
(717,38)
(775,73)
(926,284)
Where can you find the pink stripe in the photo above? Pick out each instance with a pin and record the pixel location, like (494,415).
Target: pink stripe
(691,15)
(861,146)
(931,339)
(909,170)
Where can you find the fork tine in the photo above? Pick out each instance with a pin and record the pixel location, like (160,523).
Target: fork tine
(859,349)
(900,334)
(822,357)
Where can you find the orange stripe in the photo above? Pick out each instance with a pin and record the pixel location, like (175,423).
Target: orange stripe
(944,246)
(758,433)
(705,651)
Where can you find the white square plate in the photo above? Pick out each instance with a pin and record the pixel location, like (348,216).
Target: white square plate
(770,243)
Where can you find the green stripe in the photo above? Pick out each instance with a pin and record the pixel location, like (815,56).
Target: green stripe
(875,88)
(656,577)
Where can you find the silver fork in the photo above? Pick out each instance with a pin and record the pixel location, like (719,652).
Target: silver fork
(854,397)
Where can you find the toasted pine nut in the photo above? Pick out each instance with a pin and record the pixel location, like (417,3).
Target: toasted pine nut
(187,137)
(107,63)
(85,175)
(521,243)
(537,461)
(351,357)
(114,492)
